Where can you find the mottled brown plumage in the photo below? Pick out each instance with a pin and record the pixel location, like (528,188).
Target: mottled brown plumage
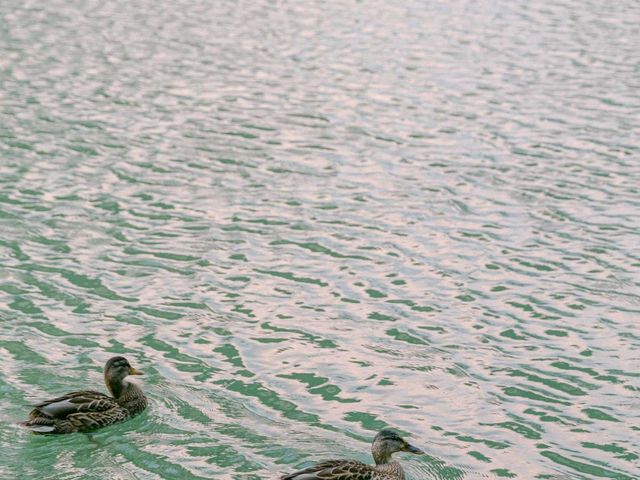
(88,410)
(384,445)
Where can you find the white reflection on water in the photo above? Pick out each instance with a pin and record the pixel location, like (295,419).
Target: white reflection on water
(310,221)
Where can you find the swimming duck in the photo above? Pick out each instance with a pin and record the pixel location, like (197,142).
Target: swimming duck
(87,410)
(385,443)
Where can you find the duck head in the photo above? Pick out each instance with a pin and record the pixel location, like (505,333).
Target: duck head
(387,442)
(115,371)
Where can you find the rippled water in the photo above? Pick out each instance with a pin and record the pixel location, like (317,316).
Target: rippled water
(309,220)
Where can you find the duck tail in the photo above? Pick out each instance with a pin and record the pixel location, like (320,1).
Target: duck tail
(38,427)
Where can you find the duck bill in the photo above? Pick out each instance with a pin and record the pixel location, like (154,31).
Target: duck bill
(133,371)
(412,449)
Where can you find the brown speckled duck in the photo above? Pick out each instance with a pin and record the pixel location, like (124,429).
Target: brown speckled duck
(385,444)
(88,410)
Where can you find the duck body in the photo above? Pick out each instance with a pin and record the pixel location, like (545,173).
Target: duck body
(87,410)
(348,469)
(384,445)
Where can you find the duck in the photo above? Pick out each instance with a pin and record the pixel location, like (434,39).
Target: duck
(88,410)
(385,444)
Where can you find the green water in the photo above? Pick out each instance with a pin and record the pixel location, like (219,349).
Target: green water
(309,220)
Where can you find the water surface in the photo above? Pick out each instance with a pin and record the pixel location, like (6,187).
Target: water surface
(310,220)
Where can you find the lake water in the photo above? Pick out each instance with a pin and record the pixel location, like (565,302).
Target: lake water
(309,220)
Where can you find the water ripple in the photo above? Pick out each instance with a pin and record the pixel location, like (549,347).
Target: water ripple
(309,221)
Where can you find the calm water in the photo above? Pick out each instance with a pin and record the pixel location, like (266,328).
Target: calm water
(309,220)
